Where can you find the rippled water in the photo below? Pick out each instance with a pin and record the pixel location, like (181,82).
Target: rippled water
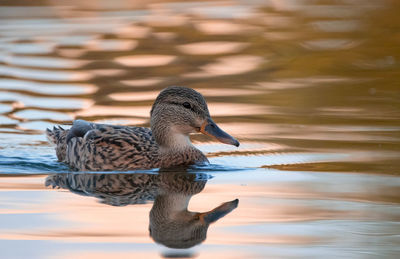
(310,88)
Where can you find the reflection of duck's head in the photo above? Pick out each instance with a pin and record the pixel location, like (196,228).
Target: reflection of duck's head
(179,111)
(181,228)
(171,224)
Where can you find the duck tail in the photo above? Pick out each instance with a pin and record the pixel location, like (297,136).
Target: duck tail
(58,136)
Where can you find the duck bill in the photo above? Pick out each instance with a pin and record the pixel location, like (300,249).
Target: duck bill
(211,129)
(219,212)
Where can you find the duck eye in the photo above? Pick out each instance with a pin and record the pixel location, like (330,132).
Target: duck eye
(187,105)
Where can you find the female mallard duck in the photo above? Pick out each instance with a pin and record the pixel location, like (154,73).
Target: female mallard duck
(176,112)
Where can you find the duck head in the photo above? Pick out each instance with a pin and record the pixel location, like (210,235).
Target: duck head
(179,111)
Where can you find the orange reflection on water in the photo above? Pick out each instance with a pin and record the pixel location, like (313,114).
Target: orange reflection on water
(219,27)
(16,183)
(134,96)
(254,239)
(143,82)
(215,148)
(165,253)
(291,83)
(102,110)
(42,62)
(108,72)
(249,130)
(330,44)
(230,65)
(145,60)
(284,202)
(165,35)
(111,45)
(45,74)
(108,254)
(151,95)
(278,21)
(122,121)
(81,219)
(228,92)
(212,47)
(164,18)
(71,53)
(133,31)
(48,88)
(281,35)
(337,25)
(236,109)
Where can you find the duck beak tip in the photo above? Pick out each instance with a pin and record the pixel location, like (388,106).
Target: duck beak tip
(211,129)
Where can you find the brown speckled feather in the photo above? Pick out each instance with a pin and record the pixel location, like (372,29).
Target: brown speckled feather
(58,137)
(107,147)
(110,148)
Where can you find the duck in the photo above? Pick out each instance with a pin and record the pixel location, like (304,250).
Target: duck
(171,223)
(176,113)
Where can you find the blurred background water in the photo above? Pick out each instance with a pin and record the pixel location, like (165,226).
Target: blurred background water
(310,88)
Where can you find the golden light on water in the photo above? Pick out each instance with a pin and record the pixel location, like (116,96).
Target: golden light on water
(231,65)
(145,60)
(98,110)
(142,82)
(212,48)
(309,90)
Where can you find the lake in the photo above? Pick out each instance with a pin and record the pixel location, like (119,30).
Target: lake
(311,90)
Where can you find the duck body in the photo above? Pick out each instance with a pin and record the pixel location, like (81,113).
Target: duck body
(177,112)
(102,147)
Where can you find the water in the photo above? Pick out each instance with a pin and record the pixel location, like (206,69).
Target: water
(310,89)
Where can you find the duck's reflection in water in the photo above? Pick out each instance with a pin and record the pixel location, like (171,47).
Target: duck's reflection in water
(171,224)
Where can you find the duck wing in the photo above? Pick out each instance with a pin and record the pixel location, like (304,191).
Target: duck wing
(79,129)
(94,147)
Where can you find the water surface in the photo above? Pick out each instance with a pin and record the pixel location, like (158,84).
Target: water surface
(309,88)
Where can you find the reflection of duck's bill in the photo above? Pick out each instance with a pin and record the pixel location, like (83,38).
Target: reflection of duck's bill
(219,212)
(210,128)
